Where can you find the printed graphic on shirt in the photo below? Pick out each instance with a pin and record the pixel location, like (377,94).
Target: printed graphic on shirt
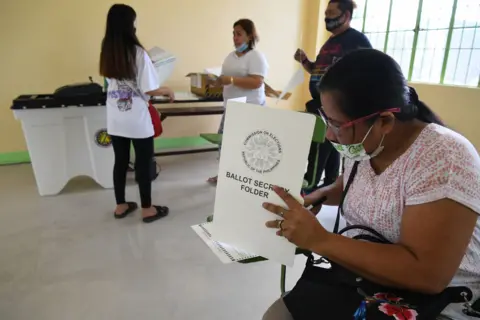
(125,96)
(328,56)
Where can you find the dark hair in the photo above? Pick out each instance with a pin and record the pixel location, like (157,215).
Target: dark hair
(345,5)
(368,81)
(119,46)
(249,27)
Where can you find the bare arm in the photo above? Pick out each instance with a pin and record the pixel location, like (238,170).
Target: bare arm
(301,57)
(249,82)
(162,91)
(333,193)
(308,65)
(433,241)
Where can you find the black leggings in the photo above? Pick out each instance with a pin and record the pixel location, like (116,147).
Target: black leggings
(143,161)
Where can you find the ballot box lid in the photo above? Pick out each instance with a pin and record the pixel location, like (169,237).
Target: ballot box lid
(47,101)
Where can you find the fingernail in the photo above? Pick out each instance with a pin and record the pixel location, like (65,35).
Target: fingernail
(264,205)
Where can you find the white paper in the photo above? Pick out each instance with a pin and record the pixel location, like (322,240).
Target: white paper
(226,253)
(217,71)
(196,81)
(164,63)
(296,80)
(261,146)
(241,99)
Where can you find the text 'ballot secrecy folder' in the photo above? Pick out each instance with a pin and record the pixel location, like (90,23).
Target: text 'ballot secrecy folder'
(261,147)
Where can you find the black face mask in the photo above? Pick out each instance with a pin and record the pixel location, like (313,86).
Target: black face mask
(333,23)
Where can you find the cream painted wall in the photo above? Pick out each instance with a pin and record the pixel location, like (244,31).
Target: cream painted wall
(459,107)
(49,43)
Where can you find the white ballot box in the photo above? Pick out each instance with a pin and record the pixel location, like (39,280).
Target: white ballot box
(65,143)
(261,147)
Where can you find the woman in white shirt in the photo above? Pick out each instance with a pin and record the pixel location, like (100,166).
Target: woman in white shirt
(244,70)
(132,79)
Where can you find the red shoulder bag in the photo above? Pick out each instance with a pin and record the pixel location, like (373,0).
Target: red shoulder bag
(156,120)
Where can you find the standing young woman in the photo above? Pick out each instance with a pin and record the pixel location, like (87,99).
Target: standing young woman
(243,70)
(131,80)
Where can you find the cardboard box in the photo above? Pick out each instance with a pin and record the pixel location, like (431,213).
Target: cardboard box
(199,86)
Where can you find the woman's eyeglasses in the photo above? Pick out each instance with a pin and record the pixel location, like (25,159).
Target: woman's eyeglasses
(337,127)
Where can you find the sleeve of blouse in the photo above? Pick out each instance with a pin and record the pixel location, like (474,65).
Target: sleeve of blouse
(258,65)
(147,78)
(449,169)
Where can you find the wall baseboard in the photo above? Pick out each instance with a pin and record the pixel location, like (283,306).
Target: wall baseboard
(19,157)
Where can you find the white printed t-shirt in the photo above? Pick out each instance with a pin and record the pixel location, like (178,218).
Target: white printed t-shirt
(251,63)
(440,164)
(127,107)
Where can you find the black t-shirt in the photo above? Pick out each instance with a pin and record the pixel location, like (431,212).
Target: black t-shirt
(334,49)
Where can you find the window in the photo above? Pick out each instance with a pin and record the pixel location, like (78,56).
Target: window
(434,41)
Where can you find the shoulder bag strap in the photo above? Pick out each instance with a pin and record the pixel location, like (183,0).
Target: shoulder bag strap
(349,183)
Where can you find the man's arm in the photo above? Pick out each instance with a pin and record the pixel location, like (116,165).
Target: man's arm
(308,65)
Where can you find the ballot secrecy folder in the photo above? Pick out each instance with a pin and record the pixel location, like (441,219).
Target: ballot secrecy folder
(261,147)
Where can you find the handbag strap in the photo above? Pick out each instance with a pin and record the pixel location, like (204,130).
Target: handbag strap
(375,236)
(352,175)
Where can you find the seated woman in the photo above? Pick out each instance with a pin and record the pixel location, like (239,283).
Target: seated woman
(417,183)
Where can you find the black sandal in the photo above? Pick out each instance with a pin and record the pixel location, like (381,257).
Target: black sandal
(132,206)
(161,213)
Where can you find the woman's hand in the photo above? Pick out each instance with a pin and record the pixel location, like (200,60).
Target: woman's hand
(319,196)
(162,91)
(299,225)
(167,92)
(218,81)
(224,80)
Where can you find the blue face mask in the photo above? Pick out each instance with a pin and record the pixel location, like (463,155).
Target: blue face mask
(242,48)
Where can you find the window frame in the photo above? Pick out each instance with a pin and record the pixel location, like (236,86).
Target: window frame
(417,31)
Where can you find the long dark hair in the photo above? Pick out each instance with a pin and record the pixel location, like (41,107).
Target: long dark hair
(249,27)
(368,81)
(119,46)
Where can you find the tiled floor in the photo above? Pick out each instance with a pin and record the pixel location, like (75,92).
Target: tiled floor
(66,258)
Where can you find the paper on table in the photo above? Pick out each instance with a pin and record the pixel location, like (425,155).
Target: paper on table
(296,80)
(261,147)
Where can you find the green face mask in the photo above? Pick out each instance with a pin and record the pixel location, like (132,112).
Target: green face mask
(357,152)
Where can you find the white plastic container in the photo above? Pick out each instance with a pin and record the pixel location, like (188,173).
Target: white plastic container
(65,143)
